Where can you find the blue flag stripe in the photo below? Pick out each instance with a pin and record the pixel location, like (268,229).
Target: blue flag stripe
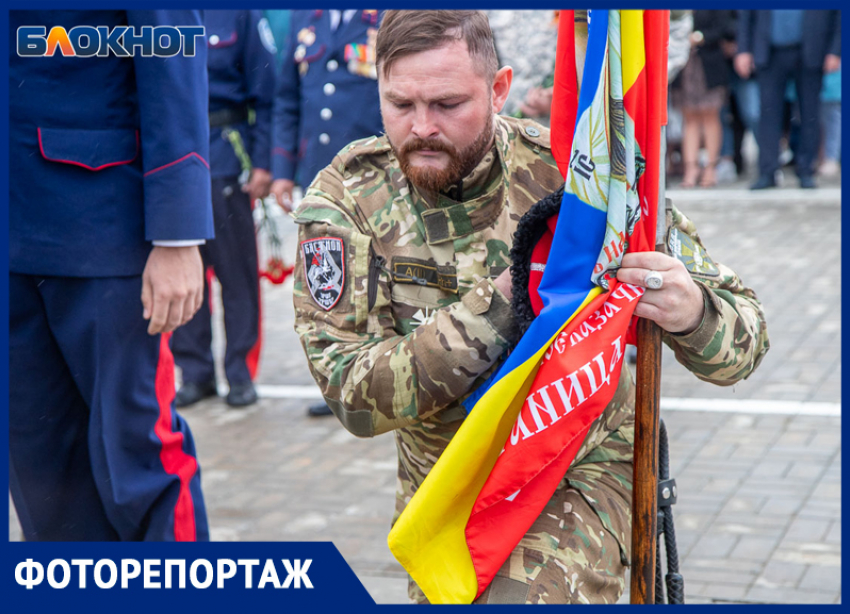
(579,234)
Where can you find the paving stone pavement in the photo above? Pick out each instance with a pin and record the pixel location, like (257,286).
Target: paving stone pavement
(758,518)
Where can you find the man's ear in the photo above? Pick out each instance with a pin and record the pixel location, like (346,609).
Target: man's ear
(501,87)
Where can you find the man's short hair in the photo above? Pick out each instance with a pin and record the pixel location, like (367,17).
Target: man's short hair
(406,32)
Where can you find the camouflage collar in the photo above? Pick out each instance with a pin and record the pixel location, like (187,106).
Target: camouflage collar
(478,181)
(483,199)
(446,220)
(456,220)
(503,146)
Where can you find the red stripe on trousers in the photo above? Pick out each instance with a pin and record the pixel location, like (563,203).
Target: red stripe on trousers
(210,275)
(174,459)
(252,360)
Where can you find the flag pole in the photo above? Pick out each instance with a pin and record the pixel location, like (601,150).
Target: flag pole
(647,397)
(645,482)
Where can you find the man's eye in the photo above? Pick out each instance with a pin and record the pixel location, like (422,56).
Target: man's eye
(449,106)
(401,105)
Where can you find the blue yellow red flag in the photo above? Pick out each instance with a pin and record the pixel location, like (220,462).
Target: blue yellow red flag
(528,422)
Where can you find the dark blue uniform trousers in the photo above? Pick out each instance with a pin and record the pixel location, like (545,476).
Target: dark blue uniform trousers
(232,256)
(96,450)
(787,64)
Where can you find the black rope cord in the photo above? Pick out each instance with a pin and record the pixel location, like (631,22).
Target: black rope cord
(675,584)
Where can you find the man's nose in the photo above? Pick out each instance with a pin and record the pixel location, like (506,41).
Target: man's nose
(424,126)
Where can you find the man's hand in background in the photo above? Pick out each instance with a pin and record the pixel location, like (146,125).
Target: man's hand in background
(258,185)
(282,190)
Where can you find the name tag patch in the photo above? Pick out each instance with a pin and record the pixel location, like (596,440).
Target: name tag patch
(424,273)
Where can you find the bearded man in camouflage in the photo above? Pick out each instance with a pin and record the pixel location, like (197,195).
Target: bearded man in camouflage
(420,221)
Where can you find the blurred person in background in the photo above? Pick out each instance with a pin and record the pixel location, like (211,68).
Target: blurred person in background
(831,124)
(778,46)
(679,45)
(526,41)
(700,91)
(278,20)
(678,50)
(326,96)
(241,84)
(741,115)
(738,114)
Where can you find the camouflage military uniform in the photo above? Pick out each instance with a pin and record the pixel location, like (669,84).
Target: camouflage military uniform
(417,324)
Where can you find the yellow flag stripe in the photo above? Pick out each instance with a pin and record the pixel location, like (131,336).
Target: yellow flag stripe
(634,56)
(428,539)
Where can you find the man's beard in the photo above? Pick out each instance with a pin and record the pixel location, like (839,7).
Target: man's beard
(460,162)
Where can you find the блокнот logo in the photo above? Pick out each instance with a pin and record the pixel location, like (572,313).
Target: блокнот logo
(101,41)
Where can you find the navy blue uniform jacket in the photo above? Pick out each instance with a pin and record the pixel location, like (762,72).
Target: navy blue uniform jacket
(821,36)
(323,99)
(106,154)
(241,73)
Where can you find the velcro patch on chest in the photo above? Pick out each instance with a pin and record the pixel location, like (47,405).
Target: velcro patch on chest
(691,253)
(324,269)
(424,273)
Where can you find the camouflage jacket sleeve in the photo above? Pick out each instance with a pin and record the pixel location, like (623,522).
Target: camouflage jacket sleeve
(732,338)
(372,377)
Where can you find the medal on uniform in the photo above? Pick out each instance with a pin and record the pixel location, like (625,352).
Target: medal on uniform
(300,52)
(360,57)
(307,36)
(324,270)
(303,67)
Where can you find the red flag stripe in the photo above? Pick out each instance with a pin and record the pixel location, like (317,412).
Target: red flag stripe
(564,93)
(578,378)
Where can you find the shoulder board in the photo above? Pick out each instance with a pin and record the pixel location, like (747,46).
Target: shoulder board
(534,133)
(312,212)
(350,155)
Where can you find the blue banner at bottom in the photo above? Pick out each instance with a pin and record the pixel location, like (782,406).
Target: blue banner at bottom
(146,577)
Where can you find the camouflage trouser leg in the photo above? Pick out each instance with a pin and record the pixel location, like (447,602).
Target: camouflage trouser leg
(578,549)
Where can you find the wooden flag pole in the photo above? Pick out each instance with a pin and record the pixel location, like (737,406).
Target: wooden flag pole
(648,376)
(644,494)
(647,397)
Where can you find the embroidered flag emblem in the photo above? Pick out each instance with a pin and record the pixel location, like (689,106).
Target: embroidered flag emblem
(324,270)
